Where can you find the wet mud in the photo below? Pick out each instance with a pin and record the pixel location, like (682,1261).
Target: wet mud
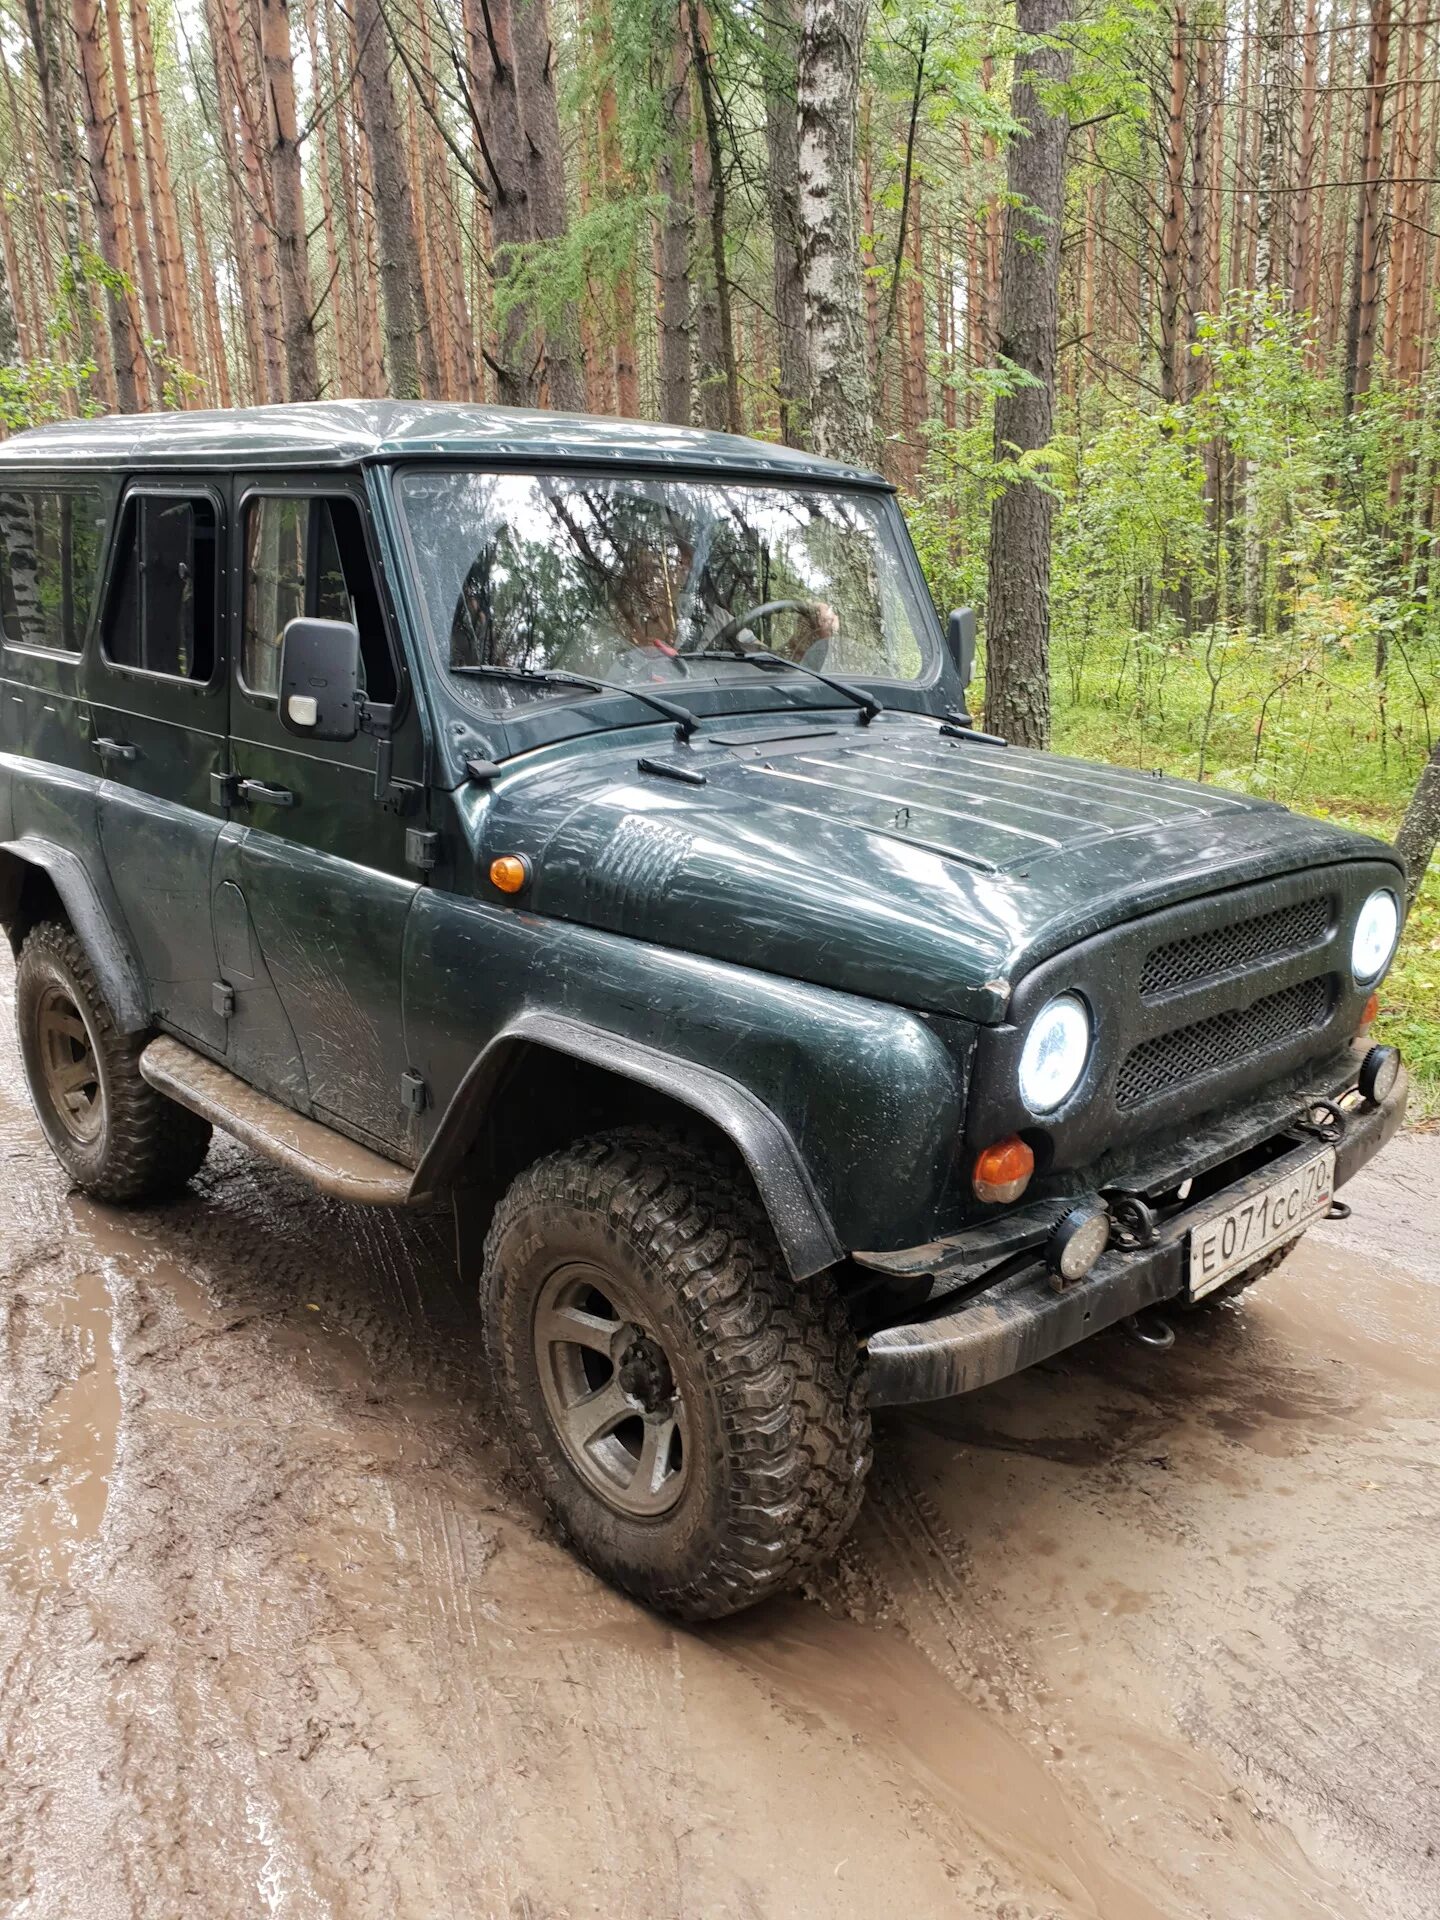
(1135,1634)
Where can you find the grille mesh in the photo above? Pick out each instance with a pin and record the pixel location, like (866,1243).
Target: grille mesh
(1170,1059)
(1219,950)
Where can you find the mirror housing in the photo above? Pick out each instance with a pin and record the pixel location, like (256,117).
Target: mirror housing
(960,642)
(320,696)
(960,645)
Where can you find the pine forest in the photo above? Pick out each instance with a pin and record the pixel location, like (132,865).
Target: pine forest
(1134,300)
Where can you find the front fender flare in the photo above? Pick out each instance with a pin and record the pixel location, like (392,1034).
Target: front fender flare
(93,919)
(797,1214)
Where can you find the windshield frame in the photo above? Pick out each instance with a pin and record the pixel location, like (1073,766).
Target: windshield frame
(555,713)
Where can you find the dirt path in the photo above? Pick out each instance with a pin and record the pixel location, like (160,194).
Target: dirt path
(1137,1634)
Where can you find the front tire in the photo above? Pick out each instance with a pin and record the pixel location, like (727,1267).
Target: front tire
(696,1420)
(115,1136)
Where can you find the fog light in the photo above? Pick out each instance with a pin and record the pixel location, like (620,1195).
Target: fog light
(1002,1172)
(1078,1242)
(1379,1071)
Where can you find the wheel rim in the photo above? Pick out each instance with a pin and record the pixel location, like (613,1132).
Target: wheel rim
(69,1066)
(611,1391)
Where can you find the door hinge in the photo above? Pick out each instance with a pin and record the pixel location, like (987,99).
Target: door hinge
(414,1094)
(224,789)
(222,999)
(422,849)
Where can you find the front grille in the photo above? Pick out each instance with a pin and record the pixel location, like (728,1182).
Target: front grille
(1221,950)
(1170,1059)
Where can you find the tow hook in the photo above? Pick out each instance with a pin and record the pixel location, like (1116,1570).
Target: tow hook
(1150,1330)
(1322,1118)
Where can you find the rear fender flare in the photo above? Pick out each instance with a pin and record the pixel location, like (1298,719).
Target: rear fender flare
(93,919)
(797,1214)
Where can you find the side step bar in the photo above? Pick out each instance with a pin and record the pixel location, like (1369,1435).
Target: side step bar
(317,1153)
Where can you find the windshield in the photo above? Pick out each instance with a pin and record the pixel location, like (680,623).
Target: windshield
(624,578)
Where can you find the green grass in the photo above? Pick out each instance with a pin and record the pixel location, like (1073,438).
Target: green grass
(1303,722)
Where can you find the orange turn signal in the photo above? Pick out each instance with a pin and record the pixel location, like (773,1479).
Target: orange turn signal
(1372,1007)
(510,872)
(1002,1172)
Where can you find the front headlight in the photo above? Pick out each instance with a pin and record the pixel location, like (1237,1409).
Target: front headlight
(1376,931)
(1055,1051)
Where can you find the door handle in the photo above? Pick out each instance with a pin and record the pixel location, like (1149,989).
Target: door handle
(260,793)
(114,749)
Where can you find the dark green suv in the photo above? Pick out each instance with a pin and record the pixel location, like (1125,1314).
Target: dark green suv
(581,822)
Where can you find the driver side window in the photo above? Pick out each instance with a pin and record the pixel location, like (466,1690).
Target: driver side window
(307,555)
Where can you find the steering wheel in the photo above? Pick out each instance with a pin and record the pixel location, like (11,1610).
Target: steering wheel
(732,627)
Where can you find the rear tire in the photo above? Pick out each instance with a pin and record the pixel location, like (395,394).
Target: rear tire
(115,1136)
(695,1418)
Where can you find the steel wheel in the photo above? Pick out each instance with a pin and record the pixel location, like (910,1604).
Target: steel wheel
(69,1065)
(610,1391)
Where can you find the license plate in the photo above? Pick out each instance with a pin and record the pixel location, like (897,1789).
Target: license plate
(1229,1242)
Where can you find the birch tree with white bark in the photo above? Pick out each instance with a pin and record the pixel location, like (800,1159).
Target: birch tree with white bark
(841,407)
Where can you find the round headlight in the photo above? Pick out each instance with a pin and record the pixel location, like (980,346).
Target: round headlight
(1376,932)
(1056,1049)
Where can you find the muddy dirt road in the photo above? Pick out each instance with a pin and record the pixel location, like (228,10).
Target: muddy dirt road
(1138,1634)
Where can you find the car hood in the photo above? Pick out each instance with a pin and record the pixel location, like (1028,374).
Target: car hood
(890,860)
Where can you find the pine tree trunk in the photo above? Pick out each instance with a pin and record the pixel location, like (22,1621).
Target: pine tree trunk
(842,411)
(1365,270)
(782,151)
(674,186)
(134,199)
(127,348)
(214,333)
(725,377)
(395,226)
(1172,227)
(549,213)
(1017,620)
(297,299)
(174,284)
(490,31)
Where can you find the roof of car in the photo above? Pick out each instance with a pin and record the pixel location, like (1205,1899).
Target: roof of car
(335,433)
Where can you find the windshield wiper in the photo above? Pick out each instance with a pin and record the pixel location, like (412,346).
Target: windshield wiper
(685,720)
(759,657)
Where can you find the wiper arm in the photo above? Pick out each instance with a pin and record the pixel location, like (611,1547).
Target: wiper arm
(685,720)
(759,657)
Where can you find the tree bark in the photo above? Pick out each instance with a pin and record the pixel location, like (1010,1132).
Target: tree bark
(842,409)
(490,31)
(674,241)
(782,148)
(1173,225)
(1419,833)
(174,285)
(1017,620)
(724,378)
(1365,270)
(297,299)
(545,171)
(395,222)
(127,348)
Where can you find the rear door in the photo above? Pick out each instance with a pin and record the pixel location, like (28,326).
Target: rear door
(159,700)
(317,888)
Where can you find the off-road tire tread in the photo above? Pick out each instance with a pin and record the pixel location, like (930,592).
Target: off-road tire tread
(153,1146)
(783,1358)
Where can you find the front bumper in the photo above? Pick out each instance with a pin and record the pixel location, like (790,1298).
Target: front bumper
(1023,1318)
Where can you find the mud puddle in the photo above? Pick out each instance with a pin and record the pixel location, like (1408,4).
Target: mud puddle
(1133,1635)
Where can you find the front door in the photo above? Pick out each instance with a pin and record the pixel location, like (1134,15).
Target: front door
(313,895)
(159,695)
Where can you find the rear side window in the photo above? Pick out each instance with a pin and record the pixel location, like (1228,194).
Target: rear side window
(307,557)
(50,551)
(161,612)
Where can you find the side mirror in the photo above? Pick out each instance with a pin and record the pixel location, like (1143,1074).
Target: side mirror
(960,640)
(320,679)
